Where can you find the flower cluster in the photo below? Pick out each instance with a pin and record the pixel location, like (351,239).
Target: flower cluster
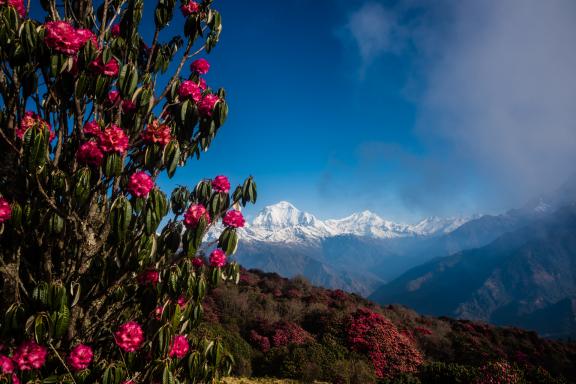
(115,30)
(64,38)
(113,97)
(18,5)
(140,184)
(128,106)
(221,184)
(113,139)
(109,69)
(193,215)
(92,128)
(200,66)
(5,210)
(80,357)
(29,355)
(129,337)
(207,104)
(217,258)
(179,347)
(157,133)
(189,8)
(89,153)
(32,120)
(190,90)
(150,276)
(233,219)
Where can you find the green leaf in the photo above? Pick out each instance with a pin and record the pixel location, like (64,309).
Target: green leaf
(171,157)
(167,376)
(113,165)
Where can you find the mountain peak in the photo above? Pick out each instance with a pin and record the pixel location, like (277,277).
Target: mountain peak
(283,215)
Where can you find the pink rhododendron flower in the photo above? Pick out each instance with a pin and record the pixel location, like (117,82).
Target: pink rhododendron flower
(150,276)
(109,69)
(179,347)
(207,104)
(233,219)
(89,153)
(217,258)
(31,120)
(190,90)
(92,128)
(15,379)
(64,38)
(113,139)
(129,336)
(221,184)
(29,355)
(198,262)
(6,364)
(157,133)
(18,5)
(193,215)
(113,97)
(202,84)
(128,106)
(202,66)
(158,311)
(115,30)
(5,210)
(182,301)
(80,357)
(140,184)
(189,8)
(86,35)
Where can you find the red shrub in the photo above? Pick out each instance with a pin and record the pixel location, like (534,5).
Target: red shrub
(390,351)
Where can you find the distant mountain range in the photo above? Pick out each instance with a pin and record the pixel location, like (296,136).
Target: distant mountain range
(357,253)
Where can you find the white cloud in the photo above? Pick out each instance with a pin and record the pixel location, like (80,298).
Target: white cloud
(374,31)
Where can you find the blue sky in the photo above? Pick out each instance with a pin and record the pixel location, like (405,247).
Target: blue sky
(408,108)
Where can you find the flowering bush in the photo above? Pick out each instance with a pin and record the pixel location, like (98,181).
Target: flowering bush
(94,288)
(391,352)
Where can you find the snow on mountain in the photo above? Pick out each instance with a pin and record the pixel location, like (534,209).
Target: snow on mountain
(282,222)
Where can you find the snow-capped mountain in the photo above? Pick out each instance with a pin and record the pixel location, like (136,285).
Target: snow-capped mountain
(282,222)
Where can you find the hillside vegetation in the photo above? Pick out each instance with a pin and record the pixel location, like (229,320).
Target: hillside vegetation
(286,328)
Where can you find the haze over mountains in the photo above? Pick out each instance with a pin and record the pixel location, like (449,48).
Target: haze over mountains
(517,268)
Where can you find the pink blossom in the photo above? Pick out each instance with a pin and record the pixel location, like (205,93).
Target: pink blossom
(109,69)
(198,262)
(80,357)
(64,38)
(190,8)
(115,30)
(113,97)
(92,128)
(32,120)
(150,276)
(182,301)
(202,84)
(193,215)
(15,379)
(217,258)
(29,355)
(140,184)
(179,347)
(190,90)
(221,184)
(157,133)
(158,311)
(89,153)
(207,104)
(18,5)
(113,139)
(128,106)
(201,66)
(129,336)
(233,219)
(5,210)
(6,364)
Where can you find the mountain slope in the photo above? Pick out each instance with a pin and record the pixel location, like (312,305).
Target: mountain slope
(527,270)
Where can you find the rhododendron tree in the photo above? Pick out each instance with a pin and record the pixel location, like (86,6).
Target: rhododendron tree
(94,288)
